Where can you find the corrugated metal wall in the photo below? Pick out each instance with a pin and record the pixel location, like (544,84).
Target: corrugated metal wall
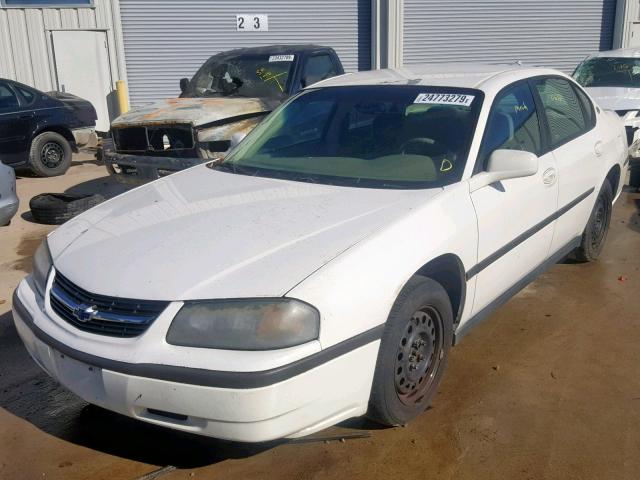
(554,33)
(166,40)
(25,44)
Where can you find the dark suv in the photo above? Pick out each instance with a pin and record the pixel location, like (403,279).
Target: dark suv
(226,98)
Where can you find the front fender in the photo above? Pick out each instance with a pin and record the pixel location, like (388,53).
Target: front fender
(356,291)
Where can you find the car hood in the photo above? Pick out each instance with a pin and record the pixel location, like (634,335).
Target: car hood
(203,234)
(194,111)
(616,98)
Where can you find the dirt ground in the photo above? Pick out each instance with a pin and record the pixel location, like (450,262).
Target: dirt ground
(547,388)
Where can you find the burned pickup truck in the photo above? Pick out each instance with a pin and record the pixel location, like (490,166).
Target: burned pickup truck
(228,96)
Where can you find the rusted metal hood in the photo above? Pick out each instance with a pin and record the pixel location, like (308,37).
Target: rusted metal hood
(195,111)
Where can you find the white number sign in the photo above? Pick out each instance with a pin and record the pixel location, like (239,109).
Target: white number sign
(445,99)
(252,22)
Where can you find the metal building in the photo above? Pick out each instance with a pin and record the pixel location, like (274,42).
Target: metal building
(85,46)
(166,40)
(73,46)
(553,33)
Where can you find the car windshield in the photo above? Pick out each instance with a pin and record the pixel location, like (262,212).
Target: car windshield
(609,72)
(366,136)
(242,76)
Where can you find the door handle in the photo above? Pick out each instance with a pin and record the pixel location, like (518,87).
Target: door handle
(549,176)
(26,115)
(597,148)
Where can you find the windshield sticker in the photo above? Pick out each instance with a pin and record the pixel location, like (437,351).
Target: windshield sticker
(281,58)
(444,99)
(268,76)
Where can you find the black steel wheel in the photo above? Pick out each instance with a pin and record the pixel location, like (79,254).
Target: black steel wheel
(51,154)
(413,352)
(595,233)
(419,354)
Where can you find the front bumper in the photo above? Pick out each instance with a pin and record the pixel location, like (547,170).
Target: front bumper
(139,169)
(8,209)
(273,404)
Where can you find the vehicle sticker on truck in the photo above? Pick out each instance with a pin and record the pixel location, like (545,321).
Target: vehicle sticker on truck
(444,99)
(281,58)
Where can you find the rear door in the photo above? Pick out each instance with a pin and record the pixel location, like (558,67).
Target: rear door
(14,126)
(515,216)
(578,151)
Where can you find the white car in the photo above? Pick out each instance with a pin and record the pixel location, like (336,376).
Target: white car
(612,79)
(324,269)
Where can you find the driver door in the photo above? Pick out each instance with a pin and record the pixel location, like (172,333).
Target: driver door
(515,216)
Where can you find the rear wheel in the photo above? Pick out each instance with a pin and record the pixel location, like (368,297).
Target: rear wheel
(50,155)
(595,233)
(413,352)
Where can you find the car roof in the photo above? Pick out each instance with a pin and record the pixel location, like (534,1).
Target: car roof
(463,75)
(618,53)
(271,50)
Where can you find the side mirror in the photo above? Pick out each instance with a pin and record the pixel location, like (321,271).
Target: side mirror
(506,164)
(236,138)
(184,83)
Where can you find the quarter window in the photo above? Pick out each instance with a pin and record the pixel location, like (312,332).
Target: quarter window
(28,95)
(563,110)
(513,123)
(8,99)
(587,107)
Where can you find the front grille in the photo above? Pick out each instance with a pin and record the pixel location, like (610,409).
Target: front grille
(112,316)
(153,140)
(622,113)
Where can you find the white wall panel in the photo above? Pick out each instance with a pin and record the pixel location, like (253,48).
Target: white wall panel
(25,46)
(553,33)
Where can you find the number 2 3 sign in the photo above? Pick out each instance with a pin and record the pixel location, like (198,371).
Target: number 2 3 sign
(252,23)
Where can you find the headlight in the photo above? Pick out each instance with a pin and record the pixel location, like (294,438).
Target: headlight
(245,324)
(42,264)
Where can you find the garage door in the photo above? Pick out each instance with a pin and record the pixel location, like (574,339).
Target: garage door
(554,33)
(165,40)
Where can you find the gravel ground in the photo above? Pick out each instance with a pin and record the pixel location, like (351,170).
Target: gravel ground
(547,388)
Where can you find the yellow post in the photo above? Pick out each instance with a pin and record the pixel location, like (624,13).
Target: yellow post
(123,96)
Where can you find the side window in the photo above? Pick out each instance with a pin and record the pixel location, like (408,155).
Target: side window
(28,95)
(318,68)
(587,107)
(8,99)
(513,123)
(563,110)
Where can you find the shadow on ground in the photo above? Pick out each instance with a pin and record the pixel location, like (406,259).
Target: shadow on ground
(29,393)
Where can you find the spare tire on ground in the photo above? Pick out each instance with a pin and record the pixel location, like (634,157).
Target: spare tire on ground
(57,208)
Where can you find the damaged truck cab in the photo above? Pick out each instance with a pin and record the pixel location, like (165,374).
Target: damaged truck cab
(226,98)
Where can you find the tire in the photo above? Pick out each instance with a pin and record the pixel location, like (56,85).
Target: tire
(595,233)
(57,208)
(404,384)
(49,155)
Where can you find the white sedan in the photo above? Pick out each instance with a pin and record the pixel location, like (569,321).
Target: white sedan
(612,79)
(324,269)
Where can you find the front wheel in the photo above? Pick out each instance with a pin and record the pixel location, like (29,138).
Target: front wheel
(413,352)
(595,233)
